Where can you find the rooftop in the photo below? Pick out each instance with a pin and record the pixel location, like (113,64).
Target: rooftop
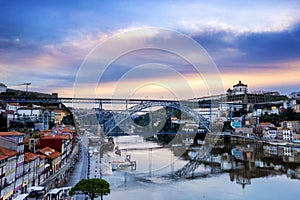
(30,156)
(42,157)
(54,155)
(11,134)
(56,136)
(14,104)
(239,84)
(5,153)
(47,150)
(50,153)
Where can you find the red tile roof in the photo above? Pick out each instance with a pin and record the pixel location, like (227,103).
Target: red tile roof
(10,111)
(30,156)
(2,157)
(68,130)
(14,104)
(11,133)
(5,153)
(56,136)
(54,155)
(47,149)
(50,153)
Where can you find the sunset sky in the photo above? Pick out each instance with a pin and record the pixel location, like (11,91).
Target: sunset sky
(48,43)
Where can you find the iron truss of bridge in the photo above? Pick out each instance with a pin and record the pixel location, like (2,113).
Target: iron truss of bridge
(120,117)
(10,99)
(136,106)
(102,101)
(133,106)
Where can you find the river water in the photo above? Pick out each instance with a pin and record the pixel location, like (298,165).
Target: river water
(234,170)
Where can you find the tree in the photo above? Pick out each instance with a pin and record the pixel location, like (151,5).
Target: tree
(68,120)
(94,188)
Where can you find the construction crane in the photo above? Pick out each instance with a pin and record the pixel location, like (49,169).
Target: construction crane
(27,84)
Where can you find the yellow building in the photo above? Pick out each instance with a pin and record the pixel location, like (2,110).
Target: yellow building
(59,115)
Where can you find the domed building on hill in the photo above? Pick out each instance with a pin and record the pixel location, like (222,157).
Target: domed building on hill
(240,94)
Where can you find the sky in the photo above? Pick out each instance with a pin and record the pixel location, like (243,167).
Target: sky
(145,49)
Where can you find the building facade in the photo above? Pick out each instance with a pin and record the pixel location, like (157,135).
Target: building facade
(8,172)
(15,141)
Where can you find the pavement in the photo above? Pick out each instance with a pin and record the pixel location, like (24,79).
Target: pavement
(88,166)
(80,168)
(94,168)
(80,171)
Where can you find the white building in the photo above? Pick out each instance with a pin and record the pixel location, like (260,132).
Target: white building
(272,133)
(295,95)
(3,88)
(293,125)
(8,170)
(288,135)
(13,106)
(240,88)
(29,113)
(295,104)
(32,165)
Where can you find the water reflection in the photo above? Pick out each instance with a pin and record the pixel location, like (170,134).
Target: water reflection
(242,160)
(245,161)
(242,163)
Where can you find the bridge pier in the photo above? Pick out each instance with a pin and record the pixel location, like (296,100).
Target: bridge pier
(100,113)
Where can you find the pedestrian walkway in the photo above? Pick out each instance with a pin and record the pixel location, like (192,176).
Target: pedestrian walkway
(80,168)
(80,171)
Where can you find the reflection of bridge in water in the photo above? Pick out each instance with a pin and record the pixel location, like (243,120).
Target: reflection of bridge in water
(254,160)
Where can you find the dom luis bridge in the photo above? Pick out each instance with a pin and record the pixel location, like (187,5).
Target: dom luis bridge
(134,107)
(130,107)
(122,109)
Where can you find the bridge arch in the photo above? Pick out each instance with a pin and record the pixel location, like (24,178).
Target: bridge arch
(120,117)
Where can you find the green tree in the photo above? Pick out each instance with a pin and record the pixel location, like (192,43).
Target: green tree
(94,188)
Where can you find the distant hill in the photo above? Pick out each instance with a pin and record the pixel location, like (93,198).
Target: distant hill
(21,93)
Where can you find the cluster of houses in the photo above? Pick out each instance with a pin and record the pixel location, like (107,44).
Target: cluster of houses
(38,116)
(288,131)
(244,110)
(29,158)
(27,162)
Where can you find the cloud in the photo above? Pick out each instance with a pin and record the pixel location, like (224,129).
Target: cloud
(236,50)
(48,43)
(58,63)
(270,46)
(282,76)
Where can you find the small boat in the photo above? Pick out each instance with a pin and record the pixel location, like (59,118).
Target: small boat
(123,164)
(120,164)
